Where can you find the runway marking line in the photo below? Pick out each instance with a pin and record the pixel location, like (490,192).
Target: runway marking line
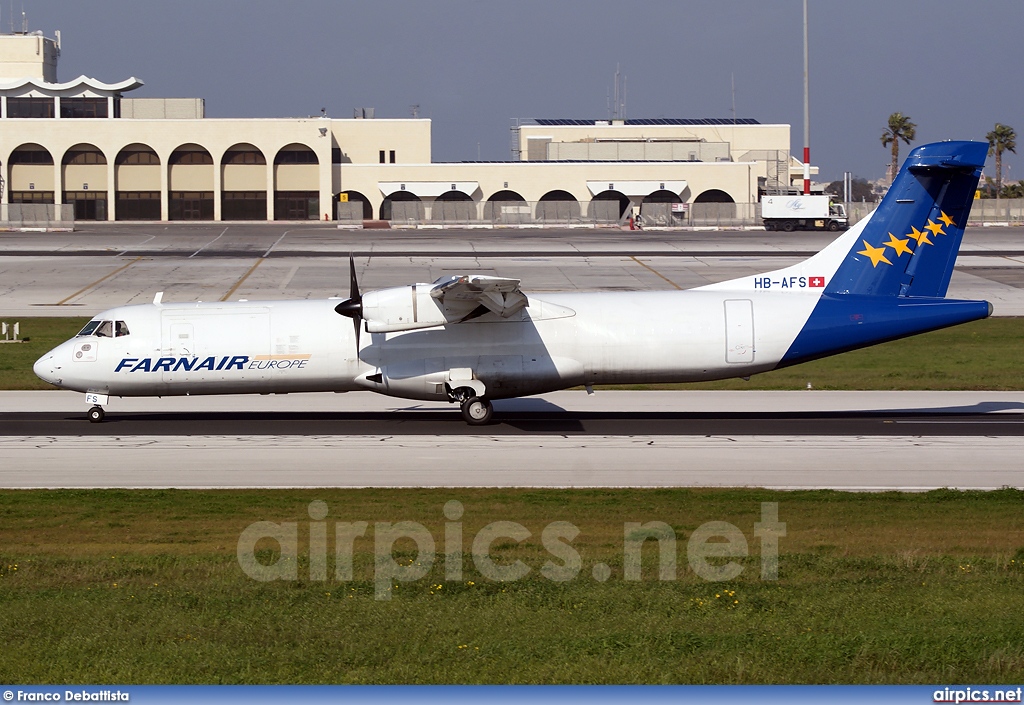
(241,281)
(97,282)
(209,243)
(655,271)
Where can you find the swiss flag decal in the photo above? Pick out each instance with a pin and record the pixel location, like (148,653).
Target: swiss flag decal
(816,281)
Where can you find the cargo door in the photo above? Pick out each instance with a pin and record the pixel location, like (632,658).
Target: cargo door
(739,331)
(179,343)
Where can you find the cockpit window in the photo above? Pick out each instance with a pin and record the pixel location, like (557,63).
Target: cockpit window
(89,328)
(120,329)
(105,330)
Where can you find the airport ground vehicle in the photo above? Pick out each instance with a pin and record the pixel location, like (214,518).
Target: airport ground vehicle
(811,212)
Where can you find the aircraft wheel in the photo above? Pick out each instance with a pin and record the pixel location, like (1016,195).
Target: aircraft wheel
(788,226)
(96,414)
(833,226)
(477,411)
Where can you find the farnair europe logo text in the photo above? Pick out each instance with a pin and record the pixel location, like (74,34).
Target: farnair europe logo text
(212,364)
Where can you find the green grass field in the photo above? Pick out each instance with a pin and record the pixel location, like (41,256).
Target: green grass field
(980,355)
(145,587)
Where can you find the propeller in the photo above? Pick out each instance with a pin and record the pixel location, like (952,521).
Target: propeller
(353,306)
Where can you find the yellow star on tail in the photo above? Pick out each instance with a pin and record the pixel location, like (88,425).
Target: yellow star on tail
(899,245)
(934,227)
(947,220)
(877,254)
(919,237)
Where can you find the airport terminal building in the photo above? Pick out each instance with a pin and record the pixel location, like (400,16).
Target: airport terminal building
(112,157)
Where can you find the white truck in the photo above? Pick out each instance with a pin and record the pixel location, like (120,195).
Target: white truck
(791,213)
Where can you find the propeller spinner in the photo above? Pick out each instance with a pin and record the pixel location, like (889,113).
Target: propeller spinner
(353,307)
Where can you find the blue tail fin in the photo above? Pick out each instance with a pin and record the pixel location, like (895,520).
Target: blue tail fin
(909,246)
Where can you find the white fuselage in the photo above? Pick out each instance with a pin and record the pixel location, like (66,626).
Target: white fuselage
(560,340)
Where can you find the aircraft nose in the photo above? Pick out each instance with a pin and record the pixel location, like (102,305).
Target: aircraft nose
(44,368)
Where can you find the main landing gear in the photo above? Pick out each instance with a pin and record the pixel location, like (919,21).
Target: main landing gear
(477,411)
(476,408)
(96,414)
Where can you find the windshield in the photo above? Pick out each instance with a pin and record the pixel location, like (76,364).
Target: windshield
(104,329)
(89,328)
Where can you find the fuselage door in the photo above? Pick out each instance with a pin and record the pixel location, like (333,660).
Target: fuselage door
(182,342)
(179,342)
(739,330)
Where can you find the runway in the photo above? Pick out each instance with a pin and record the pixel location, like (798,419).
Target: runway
(851,440)
(793,440)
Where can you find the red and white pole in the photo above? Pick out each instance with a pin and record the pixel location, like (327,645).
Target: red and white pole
(807,114)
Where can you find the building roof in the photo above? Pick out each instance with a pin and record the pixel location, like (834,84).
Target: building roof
(560,122)
(82,82)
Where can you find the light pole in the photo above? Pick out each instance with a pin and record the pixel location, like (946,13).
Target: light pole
(807,113)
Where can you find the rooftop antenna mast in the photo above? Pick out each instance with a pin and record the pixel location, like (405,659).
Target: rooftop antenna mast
(615,78)
(732,77)
(618,111)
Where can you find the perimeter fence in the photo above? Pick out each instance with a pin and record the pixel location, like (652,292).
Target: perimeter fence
(14,216)
(610,213)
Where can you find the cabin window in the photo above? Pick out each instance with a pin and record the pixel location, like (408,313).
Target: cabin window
(105,330)
(120,329)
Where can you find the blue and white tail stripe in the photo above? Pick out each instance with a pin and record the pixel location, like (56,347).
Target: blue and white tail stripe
(892,282)
(909,245)
(886,277)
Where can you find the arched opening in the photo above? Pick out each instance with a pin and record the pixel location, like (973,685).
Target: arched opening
(660,208)
(296,183)
(454,196)
(30,175)
(714,196)
(402,205)
(453,207)
(243,183)
(599,204)
(507,208)
(356,206)
(558,206)
(84,178)
(137,183)
(190,183)
(506,196)
(713,207)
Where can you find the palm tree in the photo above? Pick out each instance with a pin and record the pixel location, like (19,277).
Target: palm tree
(900,128)
(1000,140)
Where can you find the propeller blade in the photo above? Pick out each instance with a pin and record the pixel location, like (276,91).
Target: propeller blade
(353,281)
(353,307)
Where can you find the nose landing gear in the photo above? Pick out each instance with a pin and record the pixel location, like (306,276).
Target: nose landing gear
(96,414)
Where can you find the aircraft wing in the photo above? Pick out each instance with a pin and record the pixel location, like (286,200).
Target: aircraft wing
(467,296)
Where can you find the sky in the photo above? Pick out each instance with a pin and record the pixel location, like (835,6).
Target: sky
(471,65)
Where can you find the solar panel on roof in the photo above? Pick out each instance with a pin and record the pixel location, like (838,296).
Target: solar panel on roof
(648,121)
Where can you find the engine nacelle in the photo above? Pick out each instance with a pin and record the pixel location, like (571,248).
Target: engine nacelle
(402,308)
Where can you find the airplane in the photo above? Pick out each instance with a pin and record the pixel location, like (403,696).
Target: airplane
(470,339)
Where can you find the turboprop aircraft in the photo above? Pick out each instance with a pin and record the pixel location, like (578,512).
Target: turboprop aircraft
(471,338)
